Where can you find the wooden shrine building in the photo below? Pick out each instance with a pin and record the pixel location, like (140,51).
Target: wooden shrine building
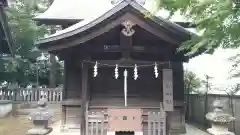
(122,71)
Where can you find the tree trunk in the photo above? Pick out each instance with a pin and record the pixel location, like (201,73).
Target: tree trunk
(187,100)
(206,110)
(53,62)
(187,104)
(52,74)
(233,113)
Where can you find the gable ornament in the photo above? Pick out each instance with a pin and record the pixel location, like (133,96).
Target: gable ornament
(142,2)
(128,28)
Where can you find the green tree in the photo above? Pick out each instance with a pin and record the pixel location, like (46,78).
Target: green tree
(208,86)
(231,91)
(23,67)
(24,32)
(53,69)
(191,81)
(218,20)
(191,84)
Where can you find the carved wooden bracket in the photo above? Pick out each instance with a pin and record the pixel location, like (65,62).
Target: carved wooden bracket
(128,28)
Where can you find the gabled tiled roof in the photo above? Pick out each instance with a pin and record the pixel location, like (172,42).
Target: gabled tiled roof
(72,10)
(113,11)
(101,16)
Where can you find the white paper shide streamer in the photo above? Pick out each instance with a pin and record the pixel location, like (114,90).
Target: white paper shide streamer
(135,69)
(135,75)
(116,72)
(95,69)
(156,70)
(167,82)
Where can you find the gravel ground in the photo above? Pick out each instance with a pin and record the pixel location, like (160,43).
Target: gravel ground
(19,125)
(191,130)
(14,125)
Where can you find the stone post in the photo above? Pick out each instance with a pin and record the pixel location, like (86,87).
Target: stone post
(219,120)
(40,119)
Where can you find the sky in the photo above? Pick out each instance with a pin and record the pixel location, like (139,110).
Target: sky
(216,65)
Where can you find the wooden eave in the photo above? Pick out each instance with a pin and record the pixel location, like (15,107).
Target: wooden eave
(56,21)
(127,9)
(186,24)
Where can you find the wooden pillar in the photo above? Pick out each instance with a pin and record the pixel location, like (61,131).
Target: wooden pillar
(63,122)
(126,45)
(52,69)
(168,122)
(84,97)
(167,75)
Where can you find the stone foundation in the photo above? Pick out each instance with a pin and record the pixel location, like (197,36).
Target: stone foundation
(5,107)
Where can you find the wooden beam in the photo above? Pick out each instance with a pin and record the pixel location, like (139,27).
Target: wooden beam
(125,45)
(84,97)
(130,63)
(134,48)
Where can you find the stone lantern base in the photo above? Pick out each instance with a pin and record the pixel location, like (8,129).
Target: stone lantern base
(219,120)
(39,131)
(213,131)
(40,118)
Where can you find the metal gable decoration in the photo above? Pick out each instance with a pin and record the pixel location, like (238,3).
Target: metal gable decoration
(142,2)
(128,30)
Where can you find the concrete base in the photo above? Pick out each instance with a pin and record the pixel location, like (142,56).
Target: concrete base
(110,133)
(5,107)
(219,132)
(64,129)
(138,133)
(39,131)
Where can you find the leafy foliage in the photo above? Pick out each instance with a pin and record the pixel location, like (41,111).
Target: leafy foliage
(24,67)
(218,20)
(191,82)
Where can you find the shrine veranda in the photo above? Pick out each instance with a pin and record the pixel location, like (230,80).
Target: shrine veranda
(123,72)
